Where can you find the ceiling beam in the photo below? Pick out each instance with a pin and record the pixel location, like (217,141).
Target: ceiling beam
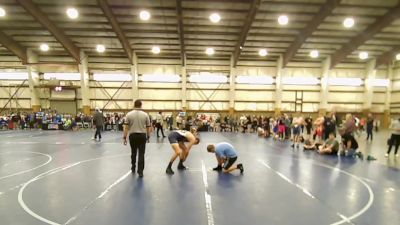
(313,25)
(181,31)
(42,18)
(13,47)
(245,30)
(117,29)
(370,31)
(388,56)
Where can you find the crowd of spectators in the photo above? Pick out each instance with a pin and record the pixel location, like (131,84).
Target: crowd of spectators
(47,120)
(317,134)
(324,134)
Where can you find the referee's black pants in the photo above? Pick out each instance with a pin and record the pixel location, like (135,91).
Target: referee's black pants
(98,131)
(138,144)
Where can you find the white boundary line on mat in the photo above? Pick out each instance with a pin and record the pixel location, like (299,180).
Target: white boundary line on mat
(207,196)
(49,159)
(344,218)
(47,173)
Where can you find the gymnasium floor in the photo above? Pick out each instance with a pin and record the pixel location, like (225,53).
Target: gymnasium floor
(55,177)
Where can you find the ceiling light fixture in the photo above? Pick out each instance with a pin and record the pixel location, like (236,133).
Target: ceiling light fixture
(155,50)
(100,48)
(72,13)
(398,56)
(210,51)
(44,47)
(206,77)
(314,54)
(348,22)
(144,15)
(215,17)
(363,55)
(2,12)
(283,20)
(345,81)
(263,52)
(300,80)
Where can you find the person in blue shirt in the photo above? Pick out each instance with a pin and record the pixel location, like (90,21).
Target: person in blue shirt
(226,157)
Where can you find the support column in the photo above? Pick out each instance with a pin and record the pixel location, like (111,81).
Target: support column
(278,86)
(386,111)
(184,84)
(33,80)
(369,91)
(135,77)
(232,79)
(85,92)
(323,105)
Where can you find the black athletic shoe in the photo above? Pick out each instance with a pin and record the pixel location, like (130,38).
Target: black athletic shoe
(218,168)
(182,167)
(240,167)
(140,175)
(169,171)
(292,146)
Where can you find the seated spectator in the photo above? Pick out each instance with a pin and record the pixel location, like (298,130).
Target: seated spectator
(68,124)
(223,127)
(309,145)
(260,132)
(3,123)
(330,147)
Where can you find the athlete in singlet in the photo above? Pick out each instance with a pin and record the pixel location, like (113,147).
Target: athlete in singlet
(177,139)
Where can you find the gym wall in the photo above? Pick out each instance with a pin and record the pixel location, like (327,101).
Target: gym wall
(117,96)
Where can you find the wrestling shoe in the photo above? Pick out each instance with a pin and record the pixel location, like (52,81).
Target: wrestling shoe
(218,168)
(240,167)
(169,171)
(182,167)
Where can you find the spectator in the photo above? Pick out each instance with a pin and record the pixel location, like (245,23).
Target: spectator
(309,124)
(159,124)
(350,145)
(296,131)
(281,130)
(370,126)
(395,138)
(329,126)
(98,123)
(179,122)
(331,146)
(16,119)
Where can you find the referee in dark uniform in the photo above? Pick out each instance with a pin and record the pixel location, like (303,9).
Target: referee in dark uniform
(138,126)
